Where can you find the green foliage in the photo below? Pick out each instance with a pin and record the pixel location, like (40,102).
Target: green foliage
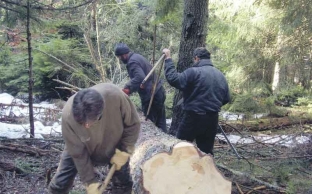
(289,94)
(246,38)
(16,12)
(138,32)
(5,56)
(70,30)
(167,10)
(26,166)
(14,76)
(135,98)
(304,101)
(298,185)
(169,102)
(245,103)
(47,68)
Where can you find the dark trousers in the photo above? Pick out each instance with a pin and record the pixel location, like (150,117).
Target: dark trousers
(66,172)
(199,127)
(64,177)
(157,112)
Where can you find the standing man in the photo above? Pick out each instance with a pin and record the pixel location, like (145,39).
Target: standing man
(95,122)
(205,90)
(138,67)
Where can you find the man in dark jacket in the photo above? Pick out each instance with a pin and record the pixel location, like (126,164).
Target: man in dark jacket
(138,67)
(205,90)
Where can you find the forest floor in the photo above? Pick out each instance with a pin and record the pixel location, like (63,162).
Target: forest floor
(27,165)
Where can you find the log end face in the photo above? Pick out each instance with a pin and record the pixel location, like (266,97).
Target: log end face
(185,170)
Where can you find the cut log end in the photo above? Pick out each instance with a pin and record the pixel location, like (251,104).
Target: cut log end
(185,170)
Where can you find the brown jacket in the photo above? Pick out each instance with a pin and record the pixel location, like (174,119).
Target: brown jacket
(118,127)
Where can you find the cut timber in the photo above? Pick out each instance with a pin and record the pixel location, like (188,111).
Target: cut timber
(162,164)
(183,171)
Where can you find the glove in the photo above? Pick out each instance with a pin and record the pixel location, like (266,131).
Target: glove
(94,188)
(119,159)
(126,91)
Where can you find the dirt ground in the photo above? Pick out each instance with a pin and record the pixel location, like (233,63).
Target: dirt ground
(22,170)
(27,166)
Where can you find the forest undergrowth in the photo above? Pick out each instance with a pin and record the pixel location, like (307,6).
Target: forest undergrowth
(27,165)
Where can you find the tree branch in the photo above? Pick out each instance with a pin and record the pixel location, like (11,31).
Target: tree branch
(241,175)
(47,6)
(67,84)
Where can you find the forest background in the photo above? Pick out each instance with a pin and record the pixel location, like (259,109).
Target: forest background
(264,48)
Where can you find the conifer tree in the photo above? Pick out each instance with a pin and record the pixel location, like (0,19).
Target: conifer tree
(193,35)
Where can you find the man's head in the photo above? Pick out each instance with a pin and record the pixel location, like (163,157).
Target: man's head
(121,51)
(87,107)
(201,53)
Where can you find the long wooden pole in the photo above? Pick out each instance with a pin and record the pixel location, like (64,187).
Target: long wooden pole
(152,70)
(154,89)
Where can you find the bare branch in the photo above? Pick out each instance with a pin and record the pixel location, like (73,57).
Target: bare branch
(67,84)
(47,7)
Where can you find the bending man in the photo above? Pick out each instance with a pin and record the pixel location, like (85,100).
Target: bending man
(95,121)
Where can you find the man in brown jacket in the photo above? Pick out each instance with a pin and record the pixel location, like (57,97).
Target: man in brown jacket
(95,122)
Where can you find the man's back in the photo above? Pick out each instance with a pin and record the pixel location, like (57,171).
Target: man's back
(207,88)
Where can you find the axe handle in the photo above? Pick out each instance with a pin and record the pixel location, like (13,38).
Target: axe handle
(153,69)
(108,178)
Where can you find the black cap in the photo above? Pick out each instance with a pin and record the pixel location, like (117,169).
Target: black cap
(121,48)
(202,53)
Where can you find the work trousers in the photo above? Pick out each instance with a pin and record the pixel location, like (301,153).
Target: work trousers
(66,172)
(157,112)
(199,127)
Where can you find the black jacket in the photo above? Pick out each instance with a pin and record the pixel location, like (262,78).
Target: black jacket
(138,67)
(204,87)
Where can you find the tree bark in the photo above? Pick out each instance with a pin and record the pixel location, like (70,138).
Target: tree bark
(30,72)
(194,32)
(163,164)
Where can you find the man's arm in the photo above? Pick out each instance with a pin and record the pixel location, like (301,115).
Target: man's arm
(138,76)
(131,124)
(175,79)
(78,152)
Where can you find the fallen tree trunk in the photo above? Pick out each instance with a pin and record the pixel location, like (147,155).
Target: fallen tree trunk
(163,164)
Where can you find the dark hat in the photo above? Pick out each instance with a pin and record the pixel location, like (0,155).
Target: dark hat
(121,48)
(202,53)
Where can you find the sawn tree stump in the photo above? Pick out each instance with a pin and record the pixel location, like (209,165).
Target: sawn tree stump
(162,164)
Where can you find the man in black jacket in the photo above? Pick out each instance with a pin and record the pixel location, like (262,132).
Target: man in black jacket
(138,67)
(205,90)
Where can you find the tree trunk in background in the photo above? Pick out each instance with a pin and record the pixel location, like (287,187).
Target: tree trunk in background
(163,164)
(194,32)
(276,75)
(93,16)
(30,72)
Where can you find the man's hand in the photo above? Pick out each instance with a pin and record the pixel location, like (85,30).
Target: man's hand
(126,91)
(119,159)
(166,52)
(94,188)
